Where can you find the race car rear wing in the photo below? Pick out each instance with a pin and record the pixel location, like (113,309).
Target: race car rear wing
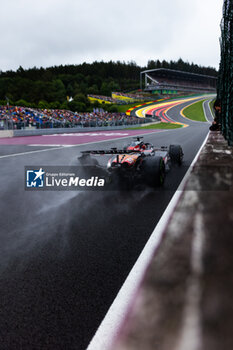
(111,151)
(118,151)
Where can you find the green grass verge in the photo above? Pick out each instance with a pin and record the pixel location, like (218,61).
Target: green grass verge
(158,126)
(124,108)
(195,112)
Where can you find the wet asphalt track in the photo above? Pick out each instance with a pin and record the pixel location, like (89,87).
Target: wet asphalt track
(65,255)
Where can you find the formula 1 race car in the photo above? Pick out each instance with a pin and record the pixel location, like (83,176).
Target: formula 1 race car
(137,162)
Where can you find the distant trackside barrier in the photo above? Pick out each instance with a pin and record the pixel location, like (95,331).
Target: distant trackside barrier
(6,133)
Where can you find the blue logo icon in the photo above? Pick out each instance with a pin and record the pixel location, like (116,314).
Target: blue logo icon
(35,178)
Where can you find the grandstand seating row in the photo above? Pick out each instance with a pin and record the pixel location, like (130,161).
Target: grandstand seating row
(20,117)
(160,79)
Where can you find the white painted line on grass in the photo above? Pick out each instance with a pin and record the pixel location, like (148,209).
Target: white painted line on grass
(117,312)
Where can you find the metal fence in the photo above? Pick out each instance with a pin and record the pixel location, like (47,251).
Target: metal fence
(225,81)
(128,121)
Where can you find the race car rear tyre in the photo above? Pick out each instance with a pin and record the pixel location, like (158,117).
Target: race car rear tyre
(154,171)
(176,154)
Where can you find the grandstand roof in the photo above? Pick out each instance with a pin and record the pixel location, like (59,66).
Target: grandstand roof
(162,78)
(177,73)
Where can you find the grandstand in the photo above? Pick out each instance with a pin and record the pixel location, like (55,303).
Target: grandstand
(127,97)
(101,99)
(16,118)
(168,81)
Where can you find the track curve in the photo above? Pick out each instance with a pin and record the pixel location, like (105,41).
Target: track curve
(161,110)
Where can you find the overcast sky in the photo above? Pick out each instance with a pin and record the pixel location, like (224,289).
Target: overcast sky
(44,33)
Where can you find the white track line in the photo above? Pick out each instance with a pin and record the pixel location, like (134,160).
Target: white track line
(203,106)
(30,152)
(117,312)
(206,104)
(210,109)
(44,145)
(79,145)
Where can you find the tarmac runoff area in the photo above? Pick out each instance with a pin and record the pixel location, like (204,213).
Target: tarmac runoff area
(73,139)
(185,299)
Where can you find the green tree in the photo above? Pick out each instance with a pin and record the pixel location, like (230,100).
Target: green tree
(64,105)
(93,90)
(151,64)
(55,105)
(70,90)
(105,90)
(80,98)
(22,103)
(39,92)
(77,106)
(43,104)
(113,86)
(58,91)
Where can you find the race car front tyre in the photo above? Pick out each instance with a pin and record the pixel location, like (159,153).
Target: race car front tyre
(154,171)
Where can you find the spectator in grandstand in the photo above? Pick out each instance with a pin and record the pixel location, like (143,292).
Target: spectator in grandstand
(21,117)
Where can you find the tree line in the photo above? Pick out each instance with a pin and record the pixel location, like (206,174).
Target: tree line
(50,87)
